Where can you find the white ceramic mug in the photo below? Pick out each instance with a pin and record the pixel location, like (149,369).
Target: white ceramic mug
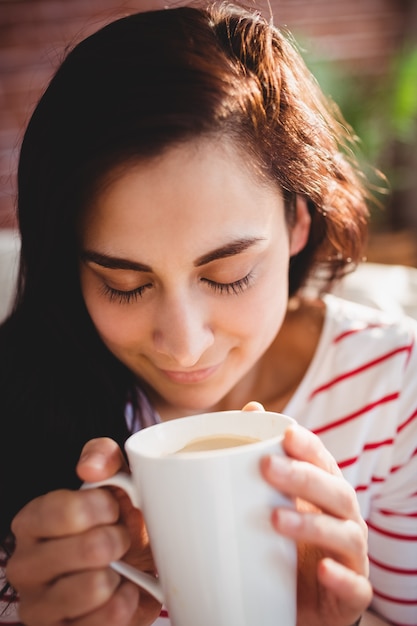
(219,561)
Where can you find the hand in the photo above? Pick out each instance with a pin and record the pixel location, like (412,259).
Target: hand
(65,541)
(333,587)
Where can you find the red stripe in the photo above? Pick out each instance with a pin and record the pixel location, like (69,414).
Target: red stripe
(163,613)
(387,533)
(374,479)
(368,446)
(407,421)
(360,369)
(361,411)
(411,350)
(398,467)
(397,514)
(354,331)
(403,601)
(378,479)
(391,568)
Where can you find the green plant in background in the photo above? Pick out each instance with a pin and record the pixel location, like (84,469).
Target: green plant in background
(403,101)
(382,110)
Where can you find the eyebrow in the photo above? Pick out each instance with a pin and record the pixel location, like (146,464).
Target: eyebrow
(113,262)
(117,263)
(230,249)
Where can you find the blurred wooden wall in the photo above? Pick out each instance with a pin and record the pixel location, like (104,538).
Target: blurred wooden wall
(362,34)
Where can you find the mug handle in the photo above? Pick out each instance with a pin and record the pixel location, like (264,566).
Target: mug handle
(146,581)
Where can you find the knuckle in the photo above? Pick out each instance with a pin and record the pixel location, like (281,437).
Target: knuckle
(356,538)
(100,546)
(317,530)
(348,502)
(99,585)
(119,610)
(94,588)
(89,507)
(101,504)
(347,499)
(301,476)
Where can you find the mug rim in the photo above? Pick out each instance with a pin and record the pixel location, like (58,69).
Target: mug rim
(154,442)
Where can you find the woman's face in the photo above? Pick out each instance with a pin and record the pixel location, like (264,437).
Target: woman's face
(184,270)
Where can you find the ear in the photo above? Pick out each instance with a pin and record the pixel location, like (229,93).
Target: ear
(301,229)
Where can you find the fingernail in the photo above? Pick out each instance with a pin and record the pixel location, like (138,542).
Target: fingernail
(288,520)
(94,460)
(280,465)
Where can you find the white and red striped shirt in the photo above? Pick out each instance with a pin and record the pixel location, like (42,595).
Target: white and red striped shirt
(359,395)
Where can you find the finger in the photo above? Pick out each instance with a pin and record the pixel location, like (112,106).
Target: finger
(93,549)
(120,609)
(302,444)
(128,605)
(352,590)
(74,597)
(100,458)
(341,538)
(299,479)
(253,406)
(64,512)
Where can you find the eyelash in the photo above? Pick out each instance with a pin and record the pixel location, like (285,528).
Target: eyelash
(123,297)
(237,287)
(126,297)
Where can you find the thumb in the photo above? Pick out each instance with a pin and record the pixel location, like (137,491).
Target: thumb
(253,406)
(100,458)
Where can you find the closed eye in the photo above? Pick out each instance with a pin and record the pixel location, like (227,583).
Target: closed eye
(124,297)
(236,287)
(127,297)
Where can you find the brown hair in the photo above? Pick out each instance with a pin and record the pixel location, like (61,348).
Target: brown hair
(300,137)
(153,79)
(136,87)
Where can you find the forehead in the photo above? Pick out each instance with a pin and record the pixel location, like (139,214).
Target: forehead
(205,189)
(206,150)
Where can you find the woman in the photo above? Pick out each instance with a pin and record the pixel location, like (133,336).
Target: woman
(181,181)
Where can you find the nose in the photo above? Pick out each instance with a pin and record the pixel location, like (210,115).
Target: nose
(182,330)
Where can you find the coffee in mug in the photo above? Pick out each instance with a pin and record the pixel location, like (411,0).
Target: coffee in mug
(216,442)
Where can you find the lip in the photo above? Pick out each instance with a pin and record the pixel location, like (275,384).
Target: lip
(190,377)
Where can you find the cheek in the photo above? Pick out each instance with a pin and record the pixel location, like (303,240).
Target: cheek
(272,302)
(259,317)
(268,317)
(116,325)
(113,329)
